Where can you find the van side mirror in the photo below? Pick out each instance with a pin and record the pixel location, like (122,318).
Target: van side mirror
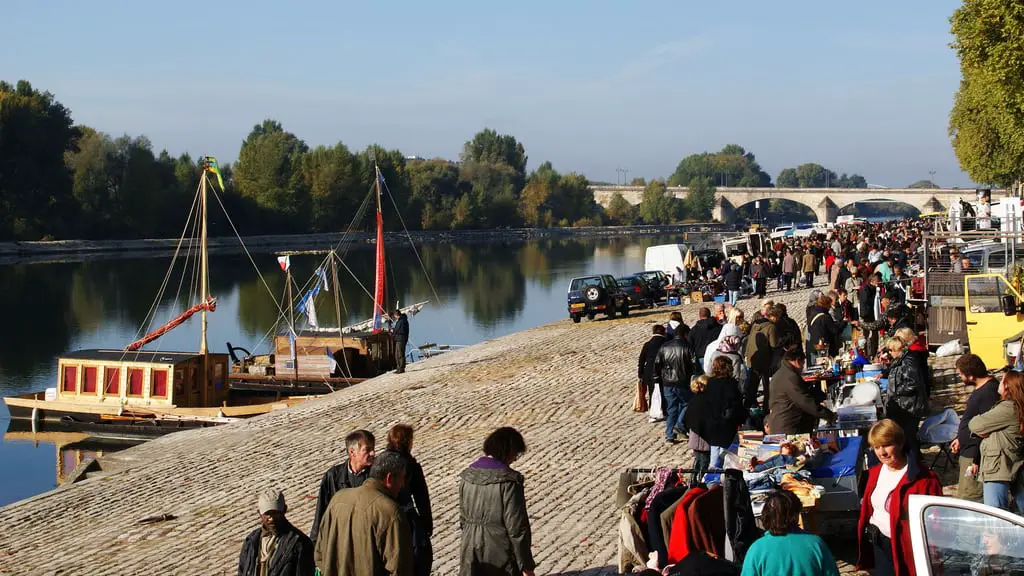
(1009,305)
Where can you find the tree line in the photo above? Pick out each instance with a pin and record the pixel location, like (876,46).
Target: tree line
(62,180)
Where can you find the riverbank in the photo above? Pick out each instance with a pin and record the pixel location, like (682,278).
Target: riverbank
(567,387)
(16,251)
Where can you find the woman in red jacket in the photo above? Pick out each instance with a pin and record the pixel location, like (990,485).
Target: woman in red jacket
(883,531)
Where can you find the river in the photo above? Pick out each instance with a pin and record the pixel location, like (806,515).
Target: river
(482,291)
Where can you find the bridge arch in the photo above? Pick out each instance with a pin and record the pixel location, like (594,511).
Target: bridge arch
(776,211)
(885,207)
(727,202)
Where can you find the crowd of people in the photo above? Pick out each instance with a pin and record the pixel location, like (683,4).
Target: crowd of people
(373,516)
(727,373)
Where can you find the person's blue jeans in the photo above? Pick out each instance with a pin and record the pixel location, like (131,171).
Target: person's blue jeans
(998,494)
(734,295)
(677,398)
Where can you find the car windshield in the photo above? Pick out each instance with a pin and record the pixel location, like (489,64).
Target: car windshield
(581,283)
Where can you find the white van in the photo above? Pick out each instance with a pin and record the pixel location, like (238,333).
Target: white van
(666,257)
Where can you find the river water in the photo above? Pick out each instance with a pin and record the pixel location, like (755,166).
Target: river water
(482,291)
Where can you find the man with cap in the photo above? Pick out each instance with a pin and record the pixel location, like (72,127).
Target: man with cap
(276,548)
(364,532)
(349,474)
(400,331)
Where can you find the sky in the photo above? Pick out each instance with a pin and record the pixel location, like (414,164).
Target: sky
(861,87)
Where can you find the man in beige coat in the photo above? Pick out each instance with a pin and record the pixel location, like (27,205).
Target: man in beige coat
(363,532)
(809,266)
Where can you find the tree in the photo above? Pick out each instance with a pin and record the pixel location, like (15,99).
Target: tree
(732,166)
(489,147)
(657,206)
(700,199)
(638,181)
(267,171)
(923,184)
(851,181)
(986,124)
(36,132)
(787,179)
(436,187)
(494,168)
(620,211)
(331,180)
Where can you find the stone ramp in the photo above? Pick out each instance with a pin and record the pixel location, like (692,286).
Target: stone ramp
(567,387)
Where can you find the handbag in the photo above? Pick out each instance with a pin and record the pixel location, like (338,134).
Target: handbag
(640,397)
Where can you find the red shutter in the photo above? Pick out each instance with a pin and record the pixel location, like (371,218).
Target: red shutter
(135,382)
(89,380)
(70,375)
(113,376)
(158,381)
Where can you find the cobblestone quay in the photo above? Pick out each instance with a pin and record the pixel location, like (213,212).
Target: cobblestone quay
(567,387)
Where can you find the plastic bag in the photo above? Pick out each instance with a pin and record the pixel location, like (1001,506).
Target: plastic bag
(655,413)
(951,348)
(940,428)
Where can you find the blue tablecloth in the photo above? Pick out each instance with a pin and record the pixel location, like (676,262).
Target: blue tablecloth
(842,463)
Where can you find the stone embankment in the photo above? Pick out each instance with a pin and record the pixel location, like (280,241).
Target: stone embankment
(567,387)
(29,250)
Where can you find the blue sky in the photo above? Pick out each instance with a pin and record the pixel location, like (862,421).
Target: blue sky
(860,87)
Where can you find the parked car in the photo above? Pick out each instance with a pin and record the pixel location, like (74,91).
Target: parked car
(953,536)
(656,282)
(637,290)
(599,294)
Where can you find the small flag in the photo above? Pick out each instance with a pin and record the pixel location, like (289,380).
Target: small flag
(323,278)
(284,262)
(212,166)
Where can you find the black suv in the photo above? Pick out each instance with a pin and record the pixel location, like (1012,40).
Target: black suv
(590,295)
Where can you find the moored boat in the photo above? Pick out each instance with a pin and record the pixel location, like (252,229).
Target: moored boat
(135,393)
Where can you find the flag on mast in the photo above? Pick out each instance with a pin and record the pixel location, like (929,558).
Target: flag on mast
(212,166)
(284,262)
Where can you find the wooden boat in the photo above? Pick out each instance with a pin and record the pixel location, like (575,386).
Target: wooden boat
(318,359)
(133,393)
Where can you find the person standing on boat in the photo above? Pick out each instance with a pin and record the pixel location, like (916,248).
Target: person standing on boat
(400,332)
(349,474)
(276,547)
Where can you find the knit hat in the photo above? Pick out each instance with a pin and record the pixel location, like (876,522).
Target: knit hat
(271,499)
(729,344)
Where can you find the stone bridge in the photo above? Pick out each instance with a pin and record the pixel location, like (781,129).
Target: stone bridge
(824,202)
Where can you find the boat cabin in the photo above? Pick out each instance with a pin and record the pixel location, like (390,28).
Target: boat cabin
(365,354)
(142,378)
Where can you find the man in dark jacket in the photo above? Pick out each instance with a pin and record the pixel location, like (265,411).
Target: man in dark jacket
(786,329)
(349,474)
(792,407)
(704,332)
(276,548)
(760,353)
(673,368)
(400,331)
(983,397)
(645,367)
(733,281)
(870,300)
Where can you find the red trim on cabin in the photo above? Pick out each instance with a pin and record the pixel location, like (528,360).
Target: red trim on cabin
(113,376)
(158,383)
(70,376)
(89,380)
(135,381)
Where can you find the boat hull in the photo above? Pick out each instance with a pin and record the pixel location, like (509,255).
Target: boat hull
(257,385)
(99,425)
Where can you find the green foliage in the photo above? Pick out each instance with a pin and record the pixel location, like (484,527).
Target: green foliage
(638,181)
(732,166)
(551,198)
(787,179)
(267,171)
(658,205)
(987,121)
(700,199)
(813,175)
(923,184)
(331,179)
(36,132)
(621,212)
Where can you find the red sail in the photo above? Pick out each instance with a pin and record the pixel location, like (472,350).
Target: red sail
(378,290)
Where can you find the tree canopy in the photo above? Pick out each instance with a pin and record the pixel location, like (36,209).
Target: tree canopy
(813,175)
(924,184)
(732,166)
(986,124)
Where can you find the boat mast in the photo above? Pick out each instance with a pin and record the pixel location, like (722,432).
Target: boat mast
(291,322)
(379,310)
(337,309)
(204,284)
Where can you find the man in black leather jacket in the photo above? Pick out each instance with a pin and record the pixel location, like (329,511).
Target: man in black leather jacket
(400,331)
(673,368)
